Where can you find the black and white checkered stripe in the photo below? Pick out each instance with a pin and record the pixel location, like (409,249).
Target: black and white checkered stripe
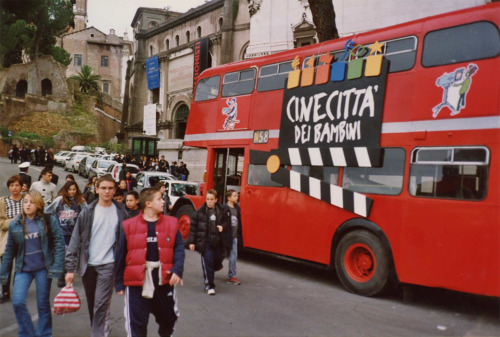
(315,156)
(332,194)
(333,156)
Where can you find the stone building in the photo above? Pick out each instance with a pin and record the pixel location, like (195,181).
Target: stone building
(173,38)
(106,54)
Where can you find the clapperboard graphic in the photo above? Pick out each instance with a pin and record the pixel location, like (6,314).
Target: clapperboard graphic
(331,116)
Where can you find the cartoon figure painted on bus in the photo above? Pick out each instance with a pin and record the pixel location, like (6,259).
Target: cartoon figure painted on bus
(455,86)
(231,112)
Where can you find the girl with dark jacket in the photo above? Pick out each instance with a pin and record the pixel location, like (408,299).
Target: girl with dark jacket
(89,192)
(37,244)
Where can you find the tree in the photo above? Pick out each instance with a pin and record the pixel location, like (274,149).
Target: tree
(324,19)
(43,21)
(15,37)
(61,56)
(87,81)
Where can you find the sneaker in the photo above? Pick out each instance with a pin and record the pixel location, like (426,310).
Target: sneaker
(211,291)
(233,280)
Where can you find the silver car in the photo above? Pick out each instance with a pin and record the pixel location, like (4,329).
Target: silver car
(85,163)
(99,167)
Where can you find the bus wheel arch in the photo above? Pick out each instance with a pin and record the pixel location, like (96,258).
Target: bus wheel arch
(184,210)
(362,257)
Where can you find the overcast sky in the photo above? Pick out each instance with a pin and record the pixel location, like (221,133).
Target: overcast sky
(118,14)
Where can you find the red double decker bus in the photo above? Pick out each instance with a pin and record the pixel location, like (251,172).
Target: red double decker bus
(376,155)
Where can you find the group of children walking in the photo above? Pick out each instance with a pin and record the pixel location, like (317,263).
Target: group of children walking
(141,256)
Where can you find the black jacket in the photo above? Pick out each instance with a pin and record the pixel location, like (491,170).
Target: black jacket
(200,234)
(228,234)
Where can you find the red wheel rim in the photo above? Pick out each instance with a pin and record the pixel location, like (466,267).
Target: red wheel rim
(184,224)
(359,262)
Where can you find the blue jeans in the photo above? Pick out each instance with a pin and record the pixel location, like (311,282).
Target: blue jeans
(233,255)
(22,282)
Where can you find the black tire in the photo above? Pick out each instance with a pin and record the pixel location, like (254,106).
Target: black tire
(185,210)
(362,263)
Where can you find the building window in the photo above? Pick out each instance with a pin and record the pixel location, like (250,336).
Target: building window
(198,32)
(78,60)
(188,36)
(46,87)
(167,44)
(150,51)
(220,25)
(177,40)
(104,61)
(105,88)
(181,117)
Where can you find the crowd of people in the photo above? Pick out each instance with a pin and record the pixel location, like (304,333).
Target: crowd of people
(98,234)
(37,156)
(152,163)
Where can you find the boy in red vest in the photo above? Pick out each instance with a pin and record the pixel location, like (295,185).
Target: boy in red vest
(149,267)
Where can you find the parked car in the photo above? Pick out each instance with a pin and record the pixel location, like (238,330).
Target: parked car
(78,148)
(115,170)
(59,155)
(61,158)
(73,161)
(175,188)
(99,167)
(85,163)
(147,179)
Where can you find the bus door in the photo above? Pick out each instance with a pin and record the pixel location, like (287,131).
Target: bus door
(228,168)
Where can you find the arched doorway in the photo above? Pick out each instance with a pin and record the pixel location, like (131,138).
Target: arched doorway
(46,87)
(21,88)
(181,116)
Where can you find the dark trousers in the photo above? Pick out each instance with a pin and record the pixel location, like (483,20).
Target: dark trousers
(211,261)
(163,306)
(98,284)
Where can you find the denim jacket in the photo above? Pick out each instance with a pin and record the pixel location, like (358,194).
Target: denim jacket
(54,258)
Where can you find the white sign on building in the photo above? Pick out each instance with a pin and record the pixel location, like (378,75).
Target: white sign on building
(149,123)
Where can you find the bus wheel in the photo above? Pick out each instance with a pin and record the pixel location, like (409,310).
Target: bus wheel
(184,215)
(362,263)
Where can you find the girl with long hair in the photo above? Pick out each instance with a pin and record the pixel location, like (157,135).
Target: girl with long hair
(66,208)
(36,242)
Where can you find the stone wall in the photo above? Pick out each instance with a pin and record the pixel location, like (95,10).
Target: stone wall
(13,107)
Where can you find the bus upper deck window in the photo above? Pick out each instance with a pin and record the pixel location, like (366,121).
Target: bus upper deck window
(207,88)
(273,76)
(474,41)
(238,83)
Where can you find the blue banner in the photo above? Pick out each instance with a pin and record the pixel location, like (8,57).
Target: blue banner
(153,72)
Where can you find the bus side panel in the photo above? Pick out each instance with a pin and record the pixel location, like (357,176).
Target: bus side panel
(453,243)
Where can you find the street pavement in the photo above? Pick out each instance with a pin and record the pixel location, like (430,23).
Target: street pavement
(281,298)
